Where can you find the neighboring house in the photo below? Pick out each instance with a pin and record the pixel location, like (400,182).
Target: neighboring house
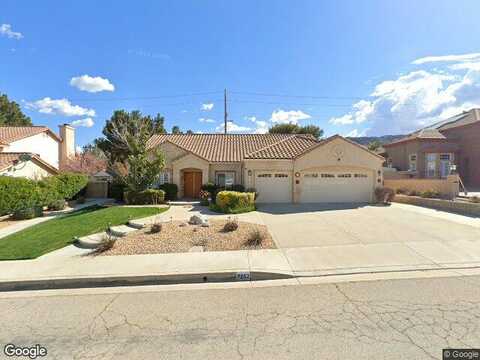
(431,151)
(281,167)
(34,151)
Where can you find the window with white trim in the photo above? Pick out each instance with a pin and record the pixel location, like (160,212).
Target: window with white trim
(430,165)
(225,179)
(310,175)
(328,175)
(445,164)
(412,162)
(344,175)
(164,177)
(281,175)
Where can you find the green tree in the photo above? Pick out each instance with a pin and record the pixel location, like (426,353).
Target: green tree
(11,114)
(140,170)
(176,130)
(374,145)
(123,132)
(296,129)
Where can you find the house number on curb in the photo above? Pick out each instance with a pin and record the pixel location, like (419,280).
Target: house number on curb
(243,276)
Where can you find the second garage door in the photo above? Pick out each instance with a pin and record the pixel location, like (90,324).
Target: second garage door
(336,187)
(273,186)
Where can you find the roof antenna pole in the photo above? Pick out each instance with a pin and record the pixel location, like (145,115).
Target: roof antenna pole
(225,109)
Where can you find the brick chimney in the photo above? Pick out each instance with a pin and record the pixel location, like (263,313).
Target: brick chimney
(67,146)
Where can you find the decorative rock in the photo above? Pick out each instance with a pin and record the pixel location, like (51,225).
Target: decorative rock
(197,220)
(205,223)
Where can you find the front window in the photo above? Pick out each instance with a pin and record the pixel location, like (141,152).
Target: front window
(225,179)
(412,164)
(445,164)
(431,165)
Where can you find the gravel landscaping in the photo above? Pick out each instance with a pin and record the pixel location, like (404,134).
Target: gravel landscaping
(177,236)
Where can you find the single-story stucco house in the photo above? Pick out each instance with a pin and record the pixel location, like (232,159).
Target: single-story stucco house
(281,167)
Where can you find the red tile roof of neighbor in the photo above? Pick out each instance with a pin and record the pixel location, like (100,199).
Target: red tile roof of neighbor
(9,134)
(434,131)
(8,159)
(237,147)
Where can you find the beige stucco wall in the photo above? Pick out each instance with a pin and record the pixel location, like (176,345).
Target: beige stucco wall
(42,144)
(67,146)
(448,187)
(28,170)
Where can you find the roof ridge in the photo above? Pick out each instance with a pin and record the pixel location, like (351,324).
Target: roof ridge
(270,145)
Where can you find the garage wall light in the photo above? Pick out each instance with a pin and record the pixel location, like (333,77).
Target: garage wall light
(249,172)
(297,174)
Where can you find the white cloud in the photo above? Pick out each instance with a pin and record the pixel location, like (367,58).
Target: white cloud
(285,117)
(446,58)
(356,133)
(250,118)
(78,149)
(418,98)
(6,30)
(59,107)
(91,84)
(87,122)
(262,127)
(207,107)
(206,120)
(232,127)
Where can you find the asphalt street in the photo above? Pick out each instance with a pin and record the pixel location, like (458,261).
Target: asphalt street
(387,319)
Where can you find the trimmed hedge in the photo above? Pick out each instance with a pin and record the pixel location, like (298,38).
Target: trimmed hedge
(233,201)
(17,194)
(21,193)
(145,197)
(171,191)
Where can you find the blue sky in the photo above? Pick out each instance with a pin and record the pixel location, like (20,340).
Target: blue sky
(351,67)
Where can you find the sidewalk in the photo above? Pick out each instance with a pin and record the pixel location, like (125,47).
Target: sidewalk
(27,223)
(69,267)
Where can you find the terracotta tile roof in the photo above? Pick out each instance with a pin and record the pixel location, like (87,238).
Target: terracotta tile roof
(236,147)
(8,159)
(434,131)
(9,134)
(287,148)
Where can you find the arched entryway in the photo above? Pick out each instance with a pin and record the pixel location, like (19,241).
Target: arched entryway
(192,183)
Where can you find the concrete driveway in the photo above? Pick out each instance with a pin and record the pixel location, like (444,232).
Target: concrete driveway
(335,224)
(330,239)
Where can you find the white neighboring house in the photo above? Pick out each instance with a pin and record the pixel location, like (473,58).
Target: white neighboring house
(34,151)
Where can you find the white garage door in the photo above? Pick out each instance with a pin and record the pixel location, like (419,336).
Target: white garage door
(273,186)
(336,187)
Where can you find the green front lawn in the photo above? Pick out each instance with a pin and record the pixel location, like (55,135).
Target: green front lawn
(59,232)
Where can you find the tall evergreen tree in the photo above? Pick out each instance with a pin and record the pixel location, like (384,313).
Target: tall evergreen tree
(11,114)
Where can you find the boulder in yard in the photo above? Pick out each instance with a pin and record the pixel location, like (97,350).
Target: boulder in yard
(197,220)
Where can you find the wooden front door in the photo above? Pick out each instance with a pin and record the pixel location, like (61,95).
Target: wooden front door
(192,181)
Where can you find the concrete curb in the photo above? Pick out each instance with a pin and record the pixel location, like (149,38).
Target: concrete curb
(140,280)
